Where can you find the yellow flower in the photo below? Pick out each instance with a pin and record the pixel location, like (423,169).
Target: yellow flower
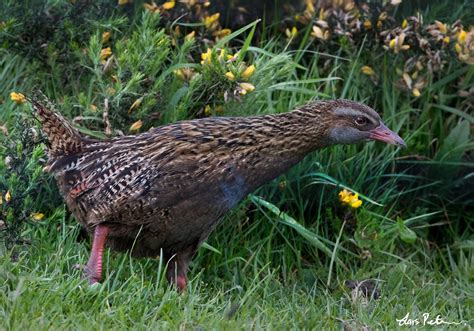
(136,126)
(190,36)
(416,92)
(105,37)
(356,204)
(230,75)
(397,43)
(37,216)
(344,195)
(367,24)
(248,72)
(135,104)
(379,24)
(8,196)
(168,5)
(366,70)
(211,21)
(232,58)
(319,33)
(222,33)
(404,24)
(310,7)
(350,198)
(443,28)
(246,87)
(458,48)
(462,36)
(206,57)
(122,2)
(291,33)
(105,53)
(221,54)
(18,98)
(446,40)
(207,110)
(184,73)
(392,43)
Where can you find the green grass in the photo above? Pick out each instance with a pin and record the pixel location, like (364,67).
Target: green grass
(42,290)
(281,258)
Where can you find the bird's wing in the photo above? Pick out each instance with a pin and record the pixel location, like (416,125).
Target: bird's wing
(128,182)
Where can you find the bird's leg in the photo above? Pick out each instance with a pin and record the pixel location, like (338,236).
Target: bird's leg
(93,269)
(178,268)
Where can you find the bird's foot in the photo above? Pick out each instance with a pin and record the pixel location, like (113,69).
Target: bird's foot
(86,273)
(91,276)
(181,283)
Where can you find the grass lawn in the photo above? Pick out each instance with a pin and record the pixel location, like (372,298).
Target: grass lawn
(42,290)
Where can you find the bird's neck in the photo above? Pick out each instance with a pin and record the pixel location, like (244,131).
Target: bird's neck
(268,146)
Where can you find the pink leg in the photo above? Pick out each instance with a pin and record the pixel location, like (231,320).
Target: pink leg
(177,270)
(93,269)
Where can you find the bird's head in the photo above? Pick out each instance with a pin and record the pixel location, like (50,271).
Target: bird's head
(349,122)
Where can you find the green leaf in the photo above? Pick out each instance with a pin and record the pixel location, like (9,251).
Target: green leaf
(286,219)
(406,234)
(331,181)
(454,145)
(211,248)
(451,151)
(234,34)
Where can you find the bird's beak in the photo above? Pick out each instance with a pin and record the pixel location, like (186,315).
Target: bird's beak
(382,133)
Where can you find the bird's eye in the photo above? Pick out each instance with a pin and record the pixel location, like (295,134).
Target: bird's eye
(361,121)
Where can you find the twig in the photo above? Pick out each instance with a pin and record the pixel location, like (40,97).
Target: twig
(108,126)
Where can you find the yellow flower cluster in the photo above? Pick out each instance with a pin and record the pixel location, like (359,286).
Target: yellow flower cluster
(465,46)
(17,98)
(397,43)
(350,199)
(105,53)
(245,73)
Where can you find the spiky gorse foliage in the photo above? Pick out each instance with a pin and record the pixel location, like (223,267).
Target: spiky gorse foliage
(25,191)
(420,49)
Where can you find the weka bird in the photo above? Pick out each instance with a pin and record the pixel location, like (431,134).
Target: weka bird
(165,190)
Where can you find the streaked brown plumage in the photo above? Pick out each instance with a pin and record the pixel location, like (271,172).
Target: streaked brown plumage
(166,189)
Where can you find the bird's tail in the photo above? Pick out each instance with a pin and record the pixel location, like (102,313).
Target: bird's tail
(63,138)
